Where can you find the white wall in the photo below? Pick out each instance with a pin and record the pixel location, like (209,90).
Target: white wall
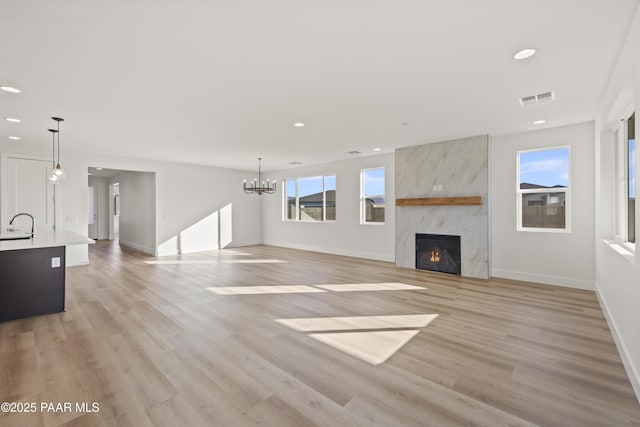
(137,210)
(565,259)
(184,195)
(617,275)
(345,236)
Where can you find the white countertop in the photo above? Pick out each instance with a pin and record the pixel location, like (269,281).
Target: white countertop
(46,240)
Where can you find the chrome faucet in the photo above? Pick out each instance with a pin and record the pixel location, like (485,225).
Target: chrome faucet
(33,221)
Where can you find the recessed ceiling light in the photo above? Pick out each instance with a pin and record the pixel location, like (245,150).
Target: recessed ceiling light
(298,124)
(524,54)
(377,149)
(98,169)
(15,138)
(89,173)
(10,89)
(539,122)
(11,119)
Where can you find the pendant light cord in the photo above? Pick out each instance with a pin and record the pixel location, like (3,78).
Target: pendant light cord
(58,142)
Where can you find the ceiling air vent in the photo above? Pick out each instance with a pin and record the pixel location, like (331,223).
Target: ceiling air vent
(538,99)
(354,152)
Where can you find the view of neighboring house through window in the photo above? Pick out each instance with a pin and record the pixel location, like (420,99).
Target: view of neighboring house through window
(372,196)
(310,199)
(543,189)
(330,197)
(631,172)
(291,190)
(626,202)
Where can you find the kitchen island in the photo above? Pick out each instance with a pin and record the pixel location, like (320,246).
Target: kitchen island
(32,274)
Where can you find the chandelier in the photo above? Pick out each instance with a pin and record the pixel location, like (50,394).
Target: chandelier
(257,186)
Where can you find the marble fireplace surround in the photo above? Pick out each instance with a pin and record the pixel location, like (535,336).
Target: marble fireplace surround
(460,167)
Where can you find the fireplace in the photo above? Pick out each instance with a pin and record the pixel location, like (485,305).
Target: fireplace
(438,252)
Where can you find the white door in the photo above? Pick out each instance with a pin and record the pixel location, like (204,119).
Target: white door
(92,211)
(29,191)
(110,214)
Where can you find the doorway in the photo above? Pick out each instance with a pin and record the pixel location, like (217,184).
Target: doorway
(124,204)
(102,185)
(114,211)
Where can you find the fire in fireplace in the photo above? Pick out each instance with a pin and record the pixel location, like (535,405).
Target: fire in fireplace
(438,252)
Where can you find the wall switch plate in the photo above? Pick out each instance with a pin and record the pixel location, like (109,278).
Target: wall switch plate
(55,262)
(435,187)
(439,187)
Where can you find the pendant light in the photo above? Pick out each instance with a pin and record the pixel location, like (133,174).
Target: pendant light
(257,186)
(53,178)
(57,170)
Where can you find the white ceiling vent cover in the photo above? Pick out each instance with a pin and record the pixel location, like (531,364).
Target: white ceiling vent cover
(538,99)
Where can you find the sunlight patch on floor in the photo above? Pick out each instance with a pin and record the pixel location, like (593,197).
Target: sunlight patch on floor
(182,262)
(355,287)
(252,261)
(281,289)
(373,339)
(232,252)
(253,290)
(358,322)
(373,347)
(213,261)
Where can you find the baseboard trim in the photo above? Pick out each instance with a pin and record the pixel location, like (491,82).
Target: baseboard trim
(136,246)
(334,251)
(234,244)
(632,372)
(544,279)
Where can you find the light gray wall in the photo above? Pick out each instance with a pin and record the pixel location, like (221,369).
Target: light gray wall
(138,210)
(345,236)
(618,274)
(565,259)
(461,167)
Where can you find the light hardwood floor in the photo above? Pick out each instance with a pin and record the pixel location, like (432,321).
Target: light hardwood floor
(172,341)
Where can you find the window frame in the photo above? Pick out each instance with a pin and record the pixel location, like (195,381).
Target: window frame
(297,197)
(621,171)
(566,190)
(363,207)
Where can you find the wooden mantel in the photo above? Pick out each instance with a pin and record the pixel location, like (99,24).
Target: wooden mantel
(441,201)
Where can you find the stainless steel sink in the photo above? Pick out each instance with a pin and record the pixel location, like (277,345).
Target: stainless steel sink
(12,235)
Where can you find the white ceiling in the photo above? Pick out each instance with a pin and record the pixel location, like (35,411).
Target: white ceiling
(222,82)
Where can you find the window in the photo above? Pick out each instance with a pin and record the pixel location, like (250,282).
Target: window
(310,199)
(372,196)
(626,180)
(631,181)
(543,190)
